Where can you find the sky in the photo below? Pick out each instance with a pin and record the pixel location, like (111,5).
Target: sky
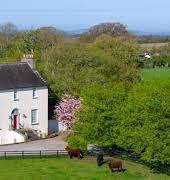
(137,15)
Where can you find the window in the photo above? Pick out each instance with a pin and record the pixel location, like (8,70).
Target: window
(34,93)
(15,95)
(34,116)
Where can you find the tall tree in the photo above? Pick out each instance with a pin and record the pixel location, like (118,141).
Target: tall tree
(112,29)
(8,29)
(76,66)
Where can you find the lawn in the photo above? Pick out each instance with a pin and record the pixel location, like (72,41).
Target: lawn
(63,168)
(156,73)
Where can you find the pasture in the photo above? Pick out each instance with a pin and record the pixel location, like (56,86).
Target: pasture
(156,73)
(63,168)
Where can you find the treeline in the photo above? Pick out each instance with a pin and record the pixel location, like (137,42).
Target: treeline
(74,66)
(153,39)
(14,43)
(101,68)
(160,55)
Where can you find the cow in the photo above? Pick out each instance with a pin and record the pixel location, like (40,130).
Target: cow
(100,159)
(74,152)
(115,164)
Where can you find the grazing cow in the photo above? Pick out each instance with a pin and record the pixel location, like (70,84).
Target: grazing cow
(74,153)
(115,164)
(100,159)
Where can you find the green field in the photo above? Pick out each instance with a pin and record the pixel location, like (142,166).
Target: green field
(157,73)
(62,168)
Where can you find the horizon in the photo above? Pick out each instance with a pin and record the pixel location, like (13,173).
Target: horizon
(146,17)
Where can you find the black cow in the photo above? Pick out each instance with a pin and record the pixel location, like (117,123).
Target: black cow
(100,159)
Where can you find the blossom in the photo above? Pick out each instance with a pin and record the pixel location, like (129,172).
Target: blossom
(66,109)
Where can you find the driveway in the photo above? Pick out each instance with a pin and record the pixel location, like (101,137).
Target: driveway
(45,144)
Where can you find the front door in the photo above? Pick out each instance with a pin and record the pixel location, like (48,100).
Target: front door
(15,122)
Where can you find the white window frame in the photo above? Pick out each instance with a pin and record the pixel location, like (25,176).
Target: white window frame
(16,95)
(34,121)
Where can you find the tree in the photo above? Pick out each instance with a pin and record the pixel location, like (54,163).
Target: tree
(144,121)
(112,29)
(76,66)
(96,122)
(50,37)
(30,39)
(8,29)
(66,109)
(136,119)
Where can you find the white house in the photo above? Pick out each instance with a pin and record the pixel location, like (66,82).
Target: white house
(23,100)
(147,55)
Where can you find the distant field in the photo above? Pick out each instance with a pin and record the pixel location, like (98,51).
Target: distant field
(156,73)
(153,45)
(67,169)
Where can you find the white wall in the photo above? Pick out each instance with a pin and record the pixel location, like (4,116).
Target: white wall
(25,104)
(10,137)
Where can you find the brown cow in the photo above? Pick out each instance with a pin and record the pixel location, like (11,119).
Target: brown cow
(115,164)
(74,152)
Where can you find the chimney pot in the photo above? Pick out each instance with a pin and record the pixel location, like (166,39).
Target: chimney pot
(29,59)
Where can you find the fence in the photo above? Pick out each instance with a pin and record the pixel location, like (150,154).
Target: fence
(38,153)
(41,153)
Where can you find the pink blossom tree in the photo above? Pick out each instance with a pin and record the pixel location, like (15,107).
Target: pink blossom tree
(66,109)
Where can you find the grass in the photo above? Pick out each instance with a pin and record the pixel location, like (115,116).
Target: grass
(156,73)
(63,168)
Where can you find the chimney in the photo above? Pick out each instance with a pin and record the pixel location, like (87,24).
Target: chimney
(29,58)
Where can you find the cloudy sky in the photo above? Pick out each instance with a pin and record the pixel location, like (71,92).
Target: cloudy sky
(144,15)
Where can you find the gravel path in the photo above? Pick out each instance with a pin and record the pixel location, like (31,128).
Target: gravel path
(44,144)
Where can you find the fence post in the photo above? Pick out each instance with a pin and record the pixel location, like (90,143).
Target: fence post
(5,154)
(40,154)
(22,154)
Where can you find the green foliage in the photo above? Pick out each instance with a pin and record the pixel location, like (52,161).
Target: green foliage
(75,140)
(160,56)
(73,66)
(14,44)
(96,122)
(160,61)
(137,119)
(144,121)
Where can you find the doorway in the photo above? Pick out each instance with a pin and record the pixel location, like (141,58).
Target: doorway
(15,119)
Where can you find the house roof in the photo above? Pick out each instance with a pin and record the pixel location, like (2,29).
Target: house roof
(19,75)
